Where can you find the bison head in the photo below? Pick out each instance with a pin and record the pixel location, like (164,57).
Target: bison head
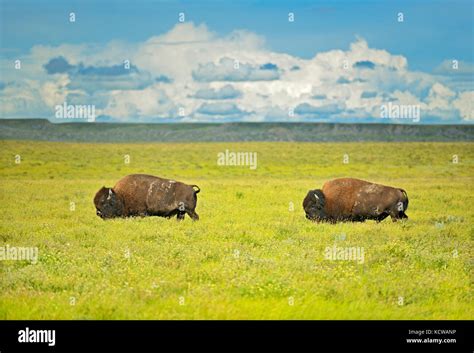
(107,203)
(313,205)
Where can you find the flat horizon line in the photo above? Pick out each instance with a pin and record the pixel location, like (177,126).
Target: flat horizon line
(238,122)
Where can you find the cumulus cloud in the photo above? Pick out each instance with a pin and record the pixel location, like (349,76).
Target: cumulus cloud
(321,111)
(319,96)
(140,105)
(219,109)
(368,94)
(93,83)
(465,106)
(232,70)
(193,70)
(114,70)
(456,74)
(342,80)
(226,92)
(54,92)
(27,99)
(364,64)
(58,65)
(92,78)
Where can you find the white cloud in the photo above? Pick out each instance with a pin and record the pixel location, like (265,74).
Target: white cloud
(232,70)
(135,105)
(21,100)
(439,97)
(220,108)
(55,92)
(225,92)
(464,103)
(190,67)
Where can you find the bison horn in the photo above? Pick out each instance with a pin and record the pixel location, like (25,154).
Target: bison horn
(316,196)
(110,194)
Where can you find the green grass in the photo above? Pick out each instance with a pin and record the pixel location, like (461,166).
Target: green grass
(249,253)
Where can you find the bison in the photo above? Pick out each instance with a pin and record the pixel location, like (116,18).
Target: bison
(147,195)
(355,200)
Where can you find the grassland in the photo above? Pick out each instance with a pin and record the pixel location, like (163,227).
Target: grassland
(250,256)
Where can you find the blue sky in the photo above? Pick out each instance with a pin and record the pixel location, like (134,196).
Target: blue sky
(413,59)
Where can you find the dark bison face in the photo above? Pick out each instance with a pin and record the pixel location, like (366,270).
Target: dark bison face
(313,205)
(107,203)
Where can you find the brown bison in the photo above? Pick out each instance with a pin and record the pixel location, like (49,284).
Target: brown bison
(147,195)
(349,199)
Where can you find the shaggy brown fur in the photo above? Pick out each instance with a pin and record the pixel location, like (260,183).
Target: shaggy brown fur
(147,195)
(349,199)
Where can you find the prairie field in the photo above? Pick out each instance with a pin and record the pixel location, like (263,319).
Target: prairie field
(252,254)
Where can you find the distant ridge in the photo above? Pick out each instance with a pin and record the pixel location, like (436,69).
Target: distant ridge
(43,130)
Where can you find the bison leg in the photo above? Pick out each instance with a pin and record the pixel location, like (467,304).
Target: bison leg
(180,216)
(357,219)
(381,217)
(194,216)
(396,215)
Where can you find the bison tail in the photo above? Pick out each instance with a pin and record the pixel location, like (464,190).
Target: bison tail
(405,201)
(198,189)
